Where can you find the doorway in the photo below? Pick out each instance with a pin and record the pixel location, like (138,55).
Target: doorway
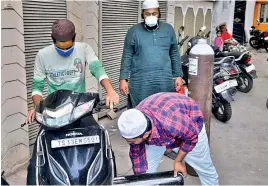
(239,21)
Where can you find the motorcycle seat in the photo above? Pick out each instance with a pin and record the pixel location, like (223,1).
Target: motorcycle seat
(235,54)
(220,60)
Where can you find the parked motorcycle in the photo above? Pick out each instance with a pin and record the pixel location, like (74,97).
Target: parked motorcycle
(247,70)
(258,39)
(224,83)
(73,149)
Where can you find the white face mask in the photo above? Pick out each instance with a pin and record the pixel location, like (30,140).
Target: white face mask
(151,21)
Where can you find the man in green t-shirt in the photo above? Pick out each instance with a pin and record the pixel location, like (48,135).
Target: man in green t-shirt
(63,65)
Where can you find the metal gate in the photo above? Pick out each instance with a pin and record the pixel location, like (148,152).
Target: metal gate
(208,24)
(116,18)
(163,10)
(38,17)
(189,26)
(178,22)
(239,21)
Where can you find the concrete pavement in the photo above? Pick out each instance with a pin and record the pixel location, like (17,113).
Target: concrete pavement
(239,148)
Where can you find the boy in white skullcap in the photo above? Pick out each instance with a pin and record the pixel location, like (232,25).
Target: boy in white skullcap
(167,121)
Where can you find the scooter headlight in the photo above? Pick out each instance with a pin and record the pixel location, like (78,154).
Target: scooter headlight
(83,109)
(58,117)
(62,116)
(38,117)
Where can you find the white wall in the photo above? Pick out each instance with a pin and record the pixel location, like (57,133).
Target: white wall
(185,5)
(227,15)
(249,16)
(221,15)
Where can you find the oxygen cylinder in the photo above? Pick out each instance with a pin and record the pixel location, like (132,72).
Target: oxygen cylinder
(200,83)
(200,73)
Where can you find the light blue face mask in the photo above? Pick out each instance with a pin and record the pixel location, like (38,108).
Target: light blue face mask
(65,53)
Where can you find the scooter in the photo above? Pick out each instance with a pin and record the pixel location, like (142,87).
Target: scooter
(73,149)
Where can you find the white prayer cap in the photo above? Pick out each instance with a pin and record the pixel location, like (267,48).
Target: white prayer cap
(150,4)
(132,123)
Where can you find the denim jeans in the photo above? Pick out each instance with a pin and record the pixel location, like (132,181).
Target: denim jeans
(199,158)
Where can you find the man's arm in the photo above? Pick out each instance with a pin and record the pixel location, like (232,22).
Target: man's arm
(137,156)
(175,55)
(129,48)
(96,69)
(38,82)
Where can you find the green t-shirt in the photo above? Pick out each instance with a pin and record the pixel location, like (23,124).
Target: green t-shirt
(65,72)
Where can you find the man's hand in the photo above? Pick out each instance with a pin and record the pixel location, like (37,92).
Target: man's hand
(179,167)
(30,117)
(178,83)
(112,98)
(123,87)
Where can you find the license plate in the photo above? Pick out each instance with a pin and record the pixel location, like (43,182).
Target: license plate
(75,141)
(226,85)
(266,38)
(250,68)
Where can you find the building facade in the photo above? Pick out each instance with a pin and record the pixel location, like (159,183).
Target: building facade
(237,14)
(26,28)
(261,13)
(192,15)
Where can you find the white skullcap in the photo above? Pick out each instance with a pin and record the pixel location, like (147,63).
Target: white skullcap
(132,123)
(150,4)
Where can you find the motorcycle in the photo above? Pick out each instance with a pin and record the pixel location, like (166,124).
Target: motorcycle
(247,70)
(73,149)
(224,83)
(258,39)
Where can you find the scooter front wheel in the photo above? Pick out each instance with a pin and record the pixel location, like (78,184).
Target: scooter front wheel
(254,42)
(223,111)
(245,83)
